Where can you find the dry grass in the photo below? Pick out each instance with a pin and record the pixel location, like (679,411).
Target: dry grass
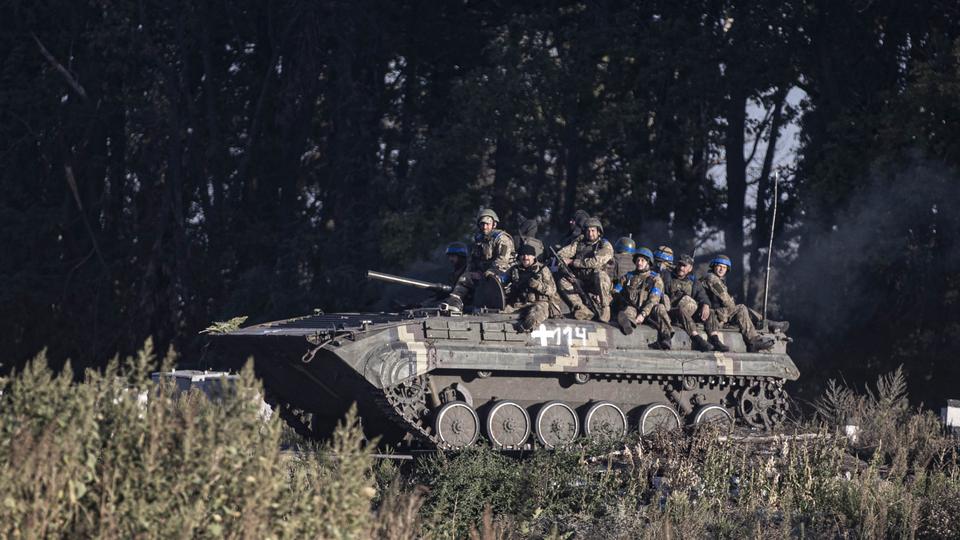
(95,459)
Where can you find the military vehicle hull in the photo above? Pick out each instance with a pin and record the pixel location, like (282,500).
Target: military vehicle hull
(428,378)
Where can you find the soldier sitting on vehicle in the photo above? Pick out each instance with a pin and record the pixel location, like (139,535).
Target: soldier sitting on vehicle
(724,309)
(686,295)
(662,265)
(622,261)
(587,256)
(576,228)
(457,257)
(528,235)
(492,256)
(639,293)
(533,292)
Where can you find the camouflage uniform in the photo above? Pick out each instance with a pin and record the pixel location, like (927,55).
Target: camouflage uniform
(724,309)
(492,254)
(533,293)
(686,296)
(622,261)
(590,268)
(640,294)
(620,264)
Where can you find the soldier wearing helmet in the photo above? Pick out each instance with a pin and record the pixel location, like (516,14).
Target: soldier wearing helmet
(622,261)
(576,228)
(686,295)
(724,310)
(492,255)
(588,256)
(457,256)
(662,263)
(639,299)
(533,293)
(528,236)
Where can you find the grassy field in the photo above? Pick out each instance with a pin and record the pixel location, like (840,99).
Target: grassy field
(116,456)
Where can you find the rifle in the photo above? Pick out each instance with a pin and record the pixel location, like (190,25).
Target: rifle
(577,288)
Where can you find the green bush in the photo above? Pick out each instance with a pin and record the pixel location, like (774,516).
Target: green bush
(117,456)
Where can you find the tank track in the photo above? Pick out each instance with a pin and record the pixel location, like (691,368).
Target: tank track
(766,406)
(401,404)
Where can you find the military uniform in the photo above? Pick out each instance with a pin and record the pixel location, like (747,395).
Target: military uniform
(620,264)
(686,295)
(640,293)
(590,268)
(725,310)
(527,236)
(533,293)
(492,255)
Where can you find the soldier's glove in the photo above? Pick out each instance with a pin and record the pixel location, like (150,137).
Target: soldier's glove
(576,263)
(535,284)
(491,274)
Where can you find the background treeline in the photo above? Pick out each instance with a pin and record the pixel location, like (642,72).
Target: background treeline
(165,164)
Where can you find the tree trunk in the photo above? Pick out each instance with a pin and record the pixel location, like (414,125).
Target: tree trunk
(761,231)
(736,169)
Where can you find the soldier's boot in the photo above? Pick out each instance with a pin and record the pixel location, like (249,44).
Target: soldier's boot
(700,344)
(582,312)
(525,324)
(625,323)
(760,343)
(778,326)
(663,343)
(455,303)
(717,344)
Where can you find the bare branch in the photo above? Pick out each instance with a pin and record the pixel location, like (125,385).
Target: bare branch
(71,80)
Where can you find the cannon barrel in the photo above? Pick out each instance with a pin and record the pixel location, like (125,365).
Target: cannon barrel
(390,278)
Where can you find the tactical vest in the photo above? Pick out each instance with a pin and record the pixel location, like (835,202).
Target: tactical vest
(520,277)
(620,264)
(638,287)
(681,287)
(717,291)
(484,250)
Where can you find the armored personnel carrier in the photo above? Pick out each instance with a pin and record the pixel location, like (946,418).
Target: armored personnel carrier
(434,377)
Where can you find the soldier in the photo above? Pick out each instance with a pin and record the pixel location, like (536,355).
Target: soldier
(457,256)
(576,228)
(588,256)
(528,235)
(662,264)
(723,309)
(686,295)
(532,290)
(640,292)
(492,255)
(622,261)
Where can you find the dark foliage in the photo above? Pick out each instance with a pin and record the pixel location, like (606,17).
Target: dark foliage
(167,164)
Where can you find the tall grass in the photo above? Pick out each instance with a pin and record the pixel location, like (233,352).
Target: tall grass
(116,456)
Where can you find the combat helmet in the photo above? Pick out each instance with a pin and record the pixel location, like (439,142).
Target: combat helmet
(721,259)
(645,253)
(457,248)
(488,213)
(685,259)
(593,222)
(625,245)
(664,254)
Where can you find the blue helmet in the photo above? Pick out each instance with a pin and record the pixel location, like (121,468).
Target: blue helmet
(457,248)
(721,259)
(625,245)
(645,253)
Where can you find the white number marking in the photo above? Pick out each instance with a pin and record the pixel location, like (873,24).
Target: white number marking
(561,335)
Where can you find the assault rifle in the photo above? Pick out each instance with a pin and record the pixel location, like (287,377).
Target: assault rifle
(577,288)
